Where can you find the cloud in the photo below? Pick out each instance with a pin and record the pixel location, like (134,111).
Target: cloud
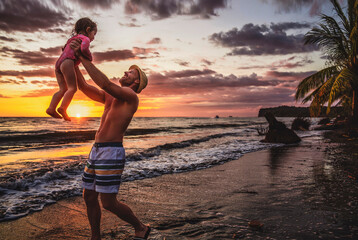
(41,92)
(2,38)
(53,51)
(207,8)
(263,40)
(233,99)
(144,51)
(182,63)
(116,55)
(50,91)
(188,73)
(206,62)
(46,56)
(244,97)
(45,83)
(289,63)
(284,26)
(12,81)
(266,96)
(200,81)
(29,16)
(160,9)
(155,41)
(129,25)
(3,96)
(43,72)
(104,4)
(288,76)
(113,55)
(56,30)
(296,5)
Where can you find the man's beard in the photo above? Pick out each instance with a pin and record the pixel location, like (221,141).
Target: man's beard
(125,82)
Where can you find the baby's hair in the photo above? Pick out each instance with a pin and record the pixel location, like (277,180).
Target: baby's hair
(82,25)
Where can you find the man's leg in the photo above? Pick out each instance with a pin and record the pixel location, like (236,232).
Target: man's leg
(93,212)
(110,203)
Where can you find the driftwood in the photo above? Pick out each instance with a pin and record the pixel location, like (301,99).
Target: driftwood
(324,121)
(261,130)
(301,123)
(278,132)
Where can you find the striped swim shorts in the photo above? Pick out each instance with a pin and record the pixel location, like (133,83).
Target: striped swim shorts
(104,167)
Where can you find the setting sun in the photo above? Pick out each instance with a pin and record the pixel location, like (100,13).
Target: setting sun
(81,109)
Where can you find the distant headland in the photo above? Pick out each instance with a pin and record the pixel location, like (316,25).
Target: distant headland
(286,111)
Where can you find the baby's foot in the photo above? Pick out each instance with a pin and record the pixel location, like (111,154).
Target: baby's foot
(64,114)
(53,113)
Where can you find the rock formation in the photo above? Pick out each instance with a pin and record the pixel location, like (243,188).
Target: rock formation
(278,132)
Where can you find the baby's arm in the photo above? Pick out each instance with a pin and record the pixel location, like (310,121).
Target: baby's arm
(85,48)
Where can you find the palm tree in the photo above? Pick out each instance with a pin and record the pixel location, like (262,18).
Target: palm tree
(338,81)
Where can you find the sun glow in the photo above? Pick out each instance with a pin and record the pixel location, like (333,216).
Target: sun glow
(79,109)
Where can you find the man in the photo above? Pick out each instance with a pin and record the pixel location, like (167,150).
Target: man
(102,175)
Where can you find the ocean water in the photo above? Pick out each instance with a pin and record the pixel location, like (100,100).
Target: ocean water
(42,159)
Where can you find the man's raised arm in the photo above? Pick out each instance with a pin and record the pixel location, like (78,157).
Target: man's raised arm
(90,91)
(126,94)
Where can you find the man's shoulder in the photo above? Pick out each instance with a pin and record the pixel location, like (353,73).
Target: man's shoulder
(132,99)
(121,106)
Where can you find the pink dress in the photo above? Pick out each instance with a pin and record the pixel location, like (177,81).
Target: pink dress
(68,52)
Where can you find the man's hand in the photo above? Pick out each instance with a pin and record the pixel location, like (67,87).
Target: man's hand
(76,46)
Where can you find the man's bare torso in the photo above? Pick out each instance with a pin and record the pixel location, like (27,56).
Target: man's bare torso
(116,117)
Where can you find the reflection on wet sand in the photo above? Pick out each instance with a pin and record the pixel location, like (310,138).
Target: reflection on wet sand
(45,154)
(277,157)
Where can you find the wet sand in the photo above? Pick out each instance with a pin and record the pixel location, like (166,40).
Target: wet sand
(302,191)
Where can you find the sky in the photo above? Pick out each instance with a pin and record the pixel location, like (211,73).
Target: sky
(202,57)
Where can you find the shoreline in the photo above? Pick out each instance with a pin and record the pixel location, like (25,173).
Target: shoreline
(289,189)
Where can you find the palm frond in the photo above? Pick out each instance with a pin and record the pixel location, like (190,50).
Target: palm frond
(340,86)
(315,107)
(310,96)
(314,81)
(353,39)
(334,26)
(321,97)
(341,15)
(352,12)
(321,36)
(326,37)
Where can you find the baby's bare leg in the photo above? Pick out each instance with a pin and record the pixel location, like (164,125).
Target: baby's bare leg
(68,71)
(56,98)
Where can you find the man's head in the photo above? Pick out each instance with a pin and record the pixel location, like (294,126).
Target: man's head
(134,78)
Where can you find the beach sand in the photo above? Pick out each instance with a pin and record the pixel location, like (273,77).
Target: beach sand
(295,192)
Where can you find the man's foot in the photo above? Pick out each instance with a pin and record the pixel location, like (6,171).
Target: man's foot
(140,235)
(53,113)
(64,114)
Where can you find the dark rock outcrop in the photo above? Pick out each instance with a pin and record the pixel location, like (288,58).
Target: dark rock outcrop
(286,111)
(278,132)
